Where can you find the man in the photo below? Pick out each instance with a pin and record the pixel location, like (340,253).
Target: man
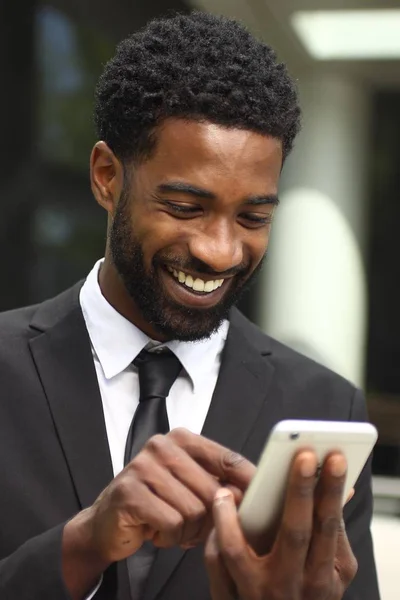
(195,119)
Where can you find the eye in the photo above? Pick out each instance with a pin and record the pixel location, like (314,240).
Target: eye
(254,220)
(182,210)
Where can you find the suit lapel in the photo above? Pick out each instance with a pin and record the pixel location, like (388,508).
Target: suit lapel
(64,361)
(239,396)
(240,392)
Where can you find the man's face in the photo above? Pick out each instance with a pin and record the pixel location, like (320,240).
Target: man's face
(192,226)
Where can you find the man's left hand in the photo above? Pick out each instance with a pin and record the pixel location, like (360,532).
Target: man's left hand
(311,558)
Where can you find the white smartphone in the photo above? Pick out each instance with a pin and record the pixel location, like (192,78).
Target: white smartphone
(262,505)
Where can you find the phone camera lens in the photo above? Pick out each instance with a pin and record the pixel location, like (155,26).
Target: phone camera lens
(295,435)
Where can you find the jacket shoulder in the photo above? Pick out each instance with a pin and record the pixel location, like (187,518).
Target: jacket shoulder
(25,322)
(289,363)
(13,323)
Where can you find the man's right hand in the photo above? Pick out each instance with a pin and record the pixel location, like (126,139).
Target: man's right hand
(165,494)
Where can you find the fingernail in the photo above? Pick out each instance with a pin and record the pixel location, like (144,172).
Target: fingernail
(308,466)
(337,466)
(223,494)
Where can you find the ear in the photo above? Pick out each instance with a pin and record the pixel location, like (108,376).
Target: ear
(106,176)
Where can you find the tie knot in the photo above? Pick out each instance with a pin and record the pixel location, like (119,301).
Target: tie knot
(157,373)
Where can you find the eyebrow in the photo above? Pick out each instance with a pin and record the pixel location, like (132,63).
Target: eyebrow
(187,188)
(268,199)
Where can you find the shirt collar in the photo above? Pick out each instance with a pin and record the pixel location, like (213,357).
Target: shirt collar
(116,341)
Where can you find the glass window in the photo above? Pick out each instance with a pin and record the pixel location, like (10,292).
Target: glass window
(52,230)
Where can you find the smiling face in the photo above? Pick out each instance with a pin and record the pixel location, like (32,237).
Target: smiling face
(190,226)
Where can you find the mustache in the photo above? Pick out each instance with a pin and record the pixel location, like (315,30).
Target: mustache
(200,267)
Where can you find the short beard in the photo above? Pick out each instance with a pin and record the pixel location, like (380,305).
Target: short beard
(170,319)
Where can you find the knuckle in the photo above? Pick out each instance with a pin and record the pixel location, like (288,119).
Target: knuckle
(169,461)
(195,512)
(211,556)
(155,444)
(231,460)
(295,538)
(174,523)
(354,562)
(346,564)
(121,492)
(235,553)
(349,570)
(139,464)
(302,489)
(353,568)
(180,435)
(336,489)
(342,527)
(177,522)
(328,525)
(211,550)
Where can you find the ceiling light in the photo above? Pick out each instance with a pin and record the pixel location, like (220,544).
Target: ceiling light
(349,34)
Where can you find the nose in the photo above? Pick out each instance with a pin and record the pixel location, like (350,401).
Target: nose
(218,246)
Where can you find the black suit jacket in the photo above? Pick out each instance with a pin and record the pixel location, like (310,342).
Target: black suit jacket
(55,460)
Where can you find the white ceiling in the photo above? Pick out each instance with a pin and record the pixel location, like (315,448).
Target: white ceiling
(270,19)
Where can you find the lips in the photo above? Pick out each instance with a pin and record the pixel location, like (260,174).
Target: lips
(196,283)
(192,291)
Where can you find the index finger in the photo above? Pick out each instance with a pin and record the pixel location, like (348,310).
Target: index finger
(221,584)
(233,548)
(228,466)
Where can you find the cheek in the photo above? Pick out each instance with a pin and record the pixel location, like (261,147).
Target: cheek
(163,236)
(257,245)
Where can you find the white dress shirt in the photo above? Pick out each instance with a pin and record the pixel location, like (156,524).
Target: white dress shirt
(115,344)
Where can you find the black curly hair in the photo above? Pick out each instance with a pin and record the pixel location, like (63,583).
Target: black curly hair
(197,67)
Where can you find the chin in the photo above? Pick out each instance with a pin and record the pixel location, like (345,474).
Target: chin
(189,328)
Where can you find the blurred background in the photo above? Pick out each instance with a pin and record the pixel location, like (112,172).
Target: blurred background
(331,287)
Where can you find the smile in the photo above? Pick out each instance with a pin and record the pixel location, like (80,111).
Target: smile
(197,285)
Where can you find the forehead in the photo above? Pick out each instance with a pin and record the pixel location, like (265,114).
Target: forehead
(211,154)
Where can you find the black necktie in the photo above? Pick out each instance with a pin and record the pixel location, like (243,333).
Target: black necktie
(157,372)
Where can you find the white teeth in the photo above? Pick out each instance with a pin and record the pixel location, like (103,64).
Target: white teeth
(189,281)
(198,285)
